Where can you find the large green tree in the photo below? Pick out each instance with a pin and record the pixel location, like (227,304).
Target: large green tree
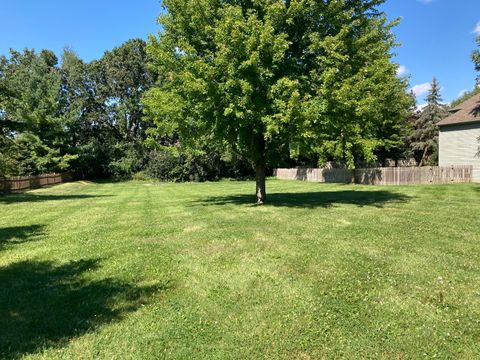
(101,105)
(273,79)
(84,113)
(424,140)
(126,78)
(30,112)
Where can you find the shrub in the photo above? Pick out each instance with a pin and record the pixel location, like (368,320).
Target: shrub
(141,176)
(174,164)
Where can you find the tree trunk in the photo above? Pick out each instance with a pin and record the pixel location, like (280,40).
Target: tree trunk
(423,156)
(260,183)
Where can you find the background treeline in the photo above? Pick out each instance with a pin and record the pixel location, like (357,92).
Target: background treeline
(66,114)
(88,118)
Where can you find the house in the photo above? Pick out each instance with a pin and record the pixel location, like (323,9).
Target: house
(459,136)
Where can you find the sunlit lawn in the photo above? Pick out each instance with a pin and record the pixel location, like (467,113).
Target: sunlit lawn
(148,270)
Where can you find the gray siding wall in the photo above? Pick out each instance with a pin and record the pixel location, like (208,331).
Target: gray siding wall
(459,146)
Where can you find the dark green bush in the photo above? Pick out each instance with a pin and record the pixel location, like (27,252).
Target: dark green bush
(172,164)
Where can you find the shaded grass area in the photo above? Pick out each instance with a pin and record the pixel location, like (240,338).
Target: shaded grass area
(31,197)
(314,199)
(18,234)
(140,270)
(43,303)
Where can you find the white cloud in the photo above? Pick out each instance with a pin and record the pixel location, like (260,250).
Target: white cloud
(421,88)
(424,105)
(477,29)
(421,106)
(462,92)
(402,70)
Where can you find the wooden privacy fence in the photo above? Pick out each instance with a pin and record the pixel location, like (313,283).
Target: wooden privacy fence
(317,175)
(414,175)
(382,176)
(18,183)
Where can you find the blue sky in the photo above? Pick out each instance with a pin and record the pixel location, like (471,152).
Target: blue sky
(437,36)
(89,27)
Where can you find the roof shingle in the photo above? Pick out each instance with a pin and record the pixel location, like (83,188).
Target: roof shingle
(466,112)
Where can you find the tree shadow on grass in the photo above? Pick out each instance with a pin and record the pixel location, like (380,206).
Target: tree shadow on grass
(24,197)
(324,199)
(43,304)
(19,234)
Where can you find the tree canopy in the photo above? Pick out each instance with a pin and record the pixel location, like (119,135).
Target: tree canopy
(277,79)
(30,108)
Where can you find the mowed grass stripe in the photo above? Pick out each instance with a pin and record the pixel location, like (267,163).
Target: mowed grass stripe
(197,271)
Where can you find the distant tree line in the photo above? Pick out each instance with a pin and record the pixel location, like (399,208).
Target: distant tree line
(88,118)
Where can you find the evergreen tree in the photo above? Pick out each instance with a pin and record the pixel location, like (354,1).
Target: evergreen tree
(29,105)
(424,140)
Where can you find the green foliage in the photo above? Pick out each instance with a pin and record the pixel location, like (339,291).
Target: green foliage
(7,155)
(166,165)
(424,140)
(30,106)
(174,163)
(102,104)
(98,128)
(125,78)
(125,160)
(83,116)
(34,157)
(278,79)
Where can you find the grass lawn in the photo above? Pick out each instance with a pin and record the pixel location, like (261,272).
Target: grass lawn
(146,271)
